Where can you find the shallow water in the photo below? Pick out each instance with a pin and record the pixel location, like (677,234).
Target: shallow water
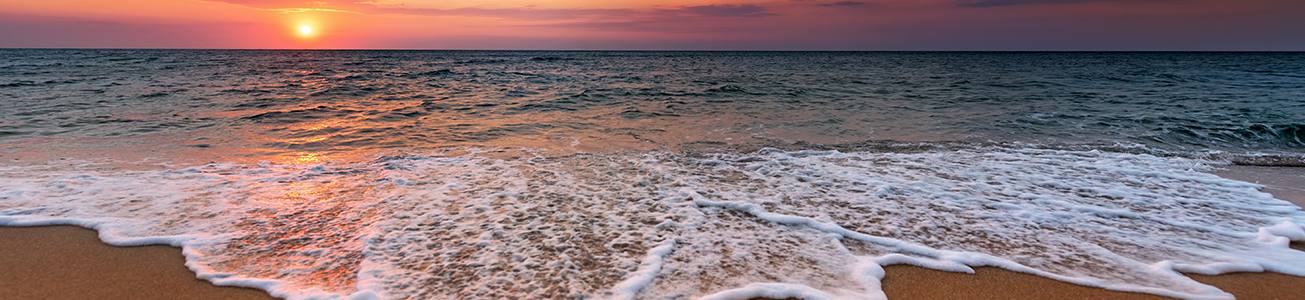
(657,175)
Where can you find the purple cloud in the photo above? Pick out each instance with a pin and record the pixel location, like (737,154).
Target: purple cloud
(995,3)
(505,13)
(726,10)
(844,3)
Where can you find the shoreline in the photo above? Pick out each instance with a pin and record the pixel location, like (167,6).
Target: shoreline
(70,262)
(906,282)
(1284,183)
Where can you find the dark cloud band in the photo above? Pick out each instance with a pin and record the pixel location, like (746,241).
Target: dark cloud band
(995,3)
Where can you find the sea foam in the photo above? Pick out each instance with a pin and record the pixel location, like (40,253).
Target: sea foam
(660,225)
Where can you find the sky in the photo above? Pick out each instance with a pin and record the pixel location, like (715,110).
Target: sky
(1057,25)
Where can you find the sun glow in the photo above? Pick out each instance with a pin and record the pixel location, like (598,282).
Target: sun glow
(306,30)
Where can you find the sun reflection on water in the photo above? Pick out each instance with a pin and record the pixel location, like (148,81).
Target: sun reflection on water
(303,158)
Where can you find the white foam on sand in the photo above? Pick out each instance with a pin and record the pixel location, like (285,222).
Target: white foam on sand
(652,264)
(657,225)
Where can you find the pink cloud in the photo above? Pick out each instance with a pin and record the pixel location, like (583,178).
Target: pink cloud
(726,10)
(524,13)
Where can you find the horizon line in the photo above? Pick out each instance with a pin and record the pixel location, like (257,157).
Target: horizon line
(645,50)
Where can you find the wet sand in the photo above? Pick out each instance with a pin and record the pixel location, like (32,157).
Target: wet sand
(904,282)
(1286,183)
(66,262)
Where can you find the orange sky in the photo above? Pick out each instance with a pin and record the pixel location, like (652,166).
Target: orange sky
(673,24)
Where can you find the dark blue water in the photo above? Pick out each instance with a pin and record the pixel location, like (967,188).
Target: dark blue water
(261,103)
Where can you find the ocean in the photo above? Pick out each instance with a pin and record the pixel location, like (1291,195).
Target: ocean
(658,175)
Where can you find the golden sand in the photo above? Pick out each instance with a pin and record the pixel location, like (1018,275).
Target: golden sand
(68,262)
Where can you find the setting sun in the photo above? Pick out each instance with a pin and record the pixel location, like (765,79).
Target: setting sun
(306,30)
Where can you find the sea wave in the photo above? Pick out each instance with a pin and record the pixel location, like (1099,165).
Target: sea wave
(653,224)
(619,175)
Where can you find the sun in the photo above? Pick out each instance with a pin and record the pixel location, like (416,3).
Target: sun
(306,30)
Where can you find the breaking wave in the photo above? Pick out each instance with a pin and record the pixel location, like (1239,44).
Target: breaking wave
(653,224)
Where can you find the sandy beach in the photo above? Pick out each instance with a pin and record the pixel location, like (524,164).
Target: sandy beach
(904,282)
(66,262)
(1285,183)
